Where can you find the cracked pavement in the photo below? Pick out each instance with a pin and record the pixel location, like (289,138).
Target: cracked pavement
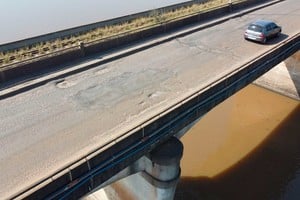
(55,124)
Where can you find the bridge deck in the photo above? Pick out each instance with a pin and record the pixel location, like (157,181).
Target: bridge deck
(49,127)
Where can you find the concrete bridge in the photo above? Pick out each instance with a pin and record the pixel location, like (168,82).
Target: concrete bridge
(74,132)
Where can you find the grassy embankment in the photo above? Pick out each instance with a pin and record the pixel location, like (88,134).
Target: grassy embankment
(102,33)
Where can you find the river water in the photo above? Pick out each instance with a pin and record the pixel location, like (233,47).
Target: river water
(20,19)
(248,147)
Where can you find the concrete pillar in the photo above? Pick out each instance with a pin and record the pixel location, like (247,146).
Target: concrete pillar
(163,168)
(154,176)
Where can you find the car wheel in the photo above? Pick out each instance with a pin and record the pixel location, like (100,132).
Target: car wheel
(264,40)
(278,34)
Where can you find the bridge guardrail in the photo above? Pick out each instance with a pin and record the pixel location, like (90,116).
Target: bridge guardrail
(79,49)
(72,45)
(81,29)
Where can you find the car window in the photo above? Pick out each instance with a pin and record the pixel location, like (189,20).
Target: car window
(273,25)
(255,27)
(269,27)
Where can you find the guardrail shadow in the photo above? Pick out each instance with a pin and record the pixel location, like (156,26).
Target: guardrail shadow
(263,174)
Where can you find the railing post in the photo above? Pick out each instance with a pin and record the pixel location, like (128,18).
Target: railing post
(2,77)
(230,5)
(82,48)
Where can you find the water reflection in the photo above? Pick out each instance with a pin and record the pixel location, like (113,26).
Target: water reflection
(245,148)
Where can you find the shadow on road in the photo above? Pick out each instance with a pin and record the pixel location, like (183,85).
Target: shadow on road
(276,40)
(272,41)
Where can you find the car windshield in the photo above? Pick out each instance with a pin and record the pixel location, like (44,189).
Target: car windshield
(255,27)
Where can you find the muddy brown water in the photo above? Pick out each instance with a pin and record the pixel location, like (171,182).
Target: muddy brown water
(248,147)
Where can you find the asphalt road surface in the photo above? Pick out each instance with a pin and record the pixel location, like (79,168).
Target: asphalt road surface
(48,127)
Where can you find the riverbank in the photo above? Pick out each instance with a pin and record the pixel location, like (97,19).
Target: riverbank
(284,78)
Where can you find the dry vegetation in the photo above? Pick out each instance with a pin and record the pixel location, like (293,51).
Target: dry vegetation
(103,33)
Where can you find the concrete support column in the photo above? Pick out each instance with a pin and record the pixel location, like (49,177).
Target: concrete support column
(154,176)
(162,169)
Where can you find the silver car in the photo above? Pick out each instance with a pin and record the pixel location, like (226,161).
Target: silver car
(261,30)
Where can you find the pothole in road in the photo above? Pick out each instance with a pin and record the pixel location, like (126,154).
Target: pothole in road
(63,84)
(155,94)
(102,71)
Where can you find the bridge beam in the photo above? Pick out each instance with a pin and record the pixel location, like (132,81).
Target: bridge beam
(154,176)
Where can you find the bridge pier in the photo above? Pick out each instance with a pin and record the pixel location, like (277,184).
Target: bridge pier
(154,176)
